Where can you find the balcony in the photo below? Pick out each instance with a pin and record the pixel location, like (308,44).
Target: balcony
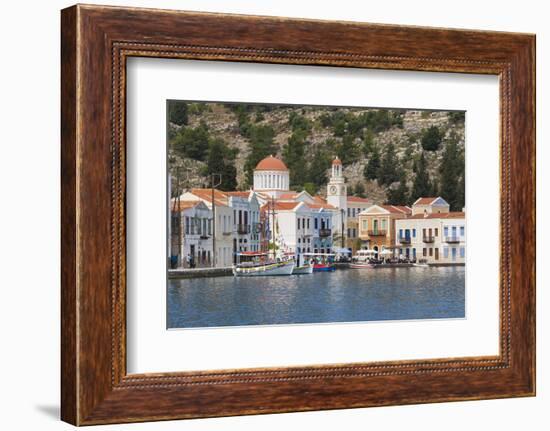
(323,233)
(203,236)
(452,239)
(376,232)
(257,228)
(243,229)
(404,240)
(428,239)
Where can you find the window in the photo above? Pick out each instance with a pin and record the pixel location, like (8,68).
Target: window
(431,252)
(454,231)
(308,223)
(446,252)
(461,230)
(414,233)
(187,225)
(436,231)
(424,252)
(349,232)
(462,252)
(316,223)
(349,213)
(414,253)
(400,233)
(446,231)
(383,224)
(424,233)
(365,224)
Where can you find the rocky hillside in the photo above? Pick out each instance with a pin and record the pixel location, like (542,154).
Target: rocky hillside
(380,148)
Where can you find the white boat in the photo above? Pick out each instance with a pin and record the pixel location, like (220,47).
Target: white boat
(263,268)
(361,259)
(304,269)
(421,265)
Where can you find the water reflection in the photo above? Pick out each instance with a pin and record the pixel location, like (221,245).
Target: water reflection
(342,296)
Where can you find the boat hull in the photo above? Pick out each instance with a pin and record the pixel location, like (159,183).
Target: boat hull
(283,268)
(324,268)
(307,269)
(361,265)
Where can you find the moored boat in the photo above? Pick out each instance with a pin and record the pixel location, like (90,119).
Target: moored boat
(322,262)
(304,269)
(260,265)
(363,259)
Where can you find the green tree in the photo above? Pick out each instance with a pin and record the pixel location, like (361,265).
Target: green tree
(400,194)
(177,112)
(294,157)
(359,190)
(388,169)
(422,186)
(451,174)
(348,150)
(192,142)
(260,146)
(372,167)
(317,172)
(431,138)
(310,188)
(221,160)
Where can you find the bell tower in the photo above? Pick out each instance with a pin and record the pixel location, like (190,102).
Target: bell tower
(337,194)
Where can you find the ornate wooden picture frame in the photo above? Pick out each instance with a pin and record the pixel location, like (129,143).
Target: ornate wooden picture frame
(96,41)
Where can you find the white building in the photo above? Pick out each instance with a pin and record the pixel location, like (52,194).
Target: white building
(224,222)
(191,239)
(432,233)
(246,220)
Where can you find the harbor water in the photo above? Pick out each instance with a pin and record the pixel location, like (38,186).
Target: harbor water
(346,295)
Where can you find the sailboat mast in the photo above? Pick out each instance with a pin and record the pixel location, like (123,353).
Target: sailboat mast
(273,224)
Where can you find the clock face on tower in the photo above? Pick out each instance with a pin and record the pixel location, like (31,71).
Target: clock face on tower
(332,190)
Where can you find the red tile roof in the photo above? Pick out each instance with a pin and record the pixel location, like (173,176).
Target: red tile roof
(424,201)
(449,215)
(183,205)
(320,205)
(206,194)
(358,199)
(271,163)
(396,209)
(281,206)
(239,194)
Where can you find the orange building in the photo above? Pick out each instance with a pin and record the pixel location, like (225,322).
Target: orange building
(377,225)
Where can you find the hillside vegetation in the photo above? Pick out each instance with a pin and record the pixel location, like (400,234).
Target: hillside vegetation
(389,155)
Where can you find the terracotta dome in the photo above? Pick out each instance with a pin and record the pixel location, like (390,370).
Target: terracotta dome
(271,164)
(336,161)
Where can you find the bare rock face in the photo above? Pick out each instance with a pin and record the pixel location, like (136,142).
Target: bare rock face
(222,122)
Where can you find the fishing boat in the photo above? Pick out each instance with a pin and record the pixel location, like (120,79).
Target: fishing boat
(322,262)
(362,259)
(305,267)
(260,264)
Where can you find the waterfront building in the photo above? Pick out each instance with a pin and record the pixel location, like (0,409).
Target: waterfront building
(300,227)
(355,205)
(246,220)
(432,234)
(191,234)
(377,225)
(224,222)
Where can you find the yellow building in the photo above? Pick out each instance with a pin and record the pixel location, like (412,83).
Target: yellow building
(377,225)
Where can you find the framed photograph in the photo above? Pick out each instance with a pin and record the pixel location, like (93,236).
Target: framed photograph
(265,215)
